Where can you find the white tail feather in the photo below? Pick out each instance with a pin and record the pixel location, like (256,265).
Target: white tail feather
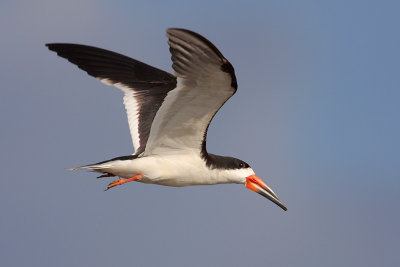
(92,167)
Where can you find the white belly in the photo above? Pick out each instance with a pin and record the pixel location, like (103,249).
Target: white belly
(173,170)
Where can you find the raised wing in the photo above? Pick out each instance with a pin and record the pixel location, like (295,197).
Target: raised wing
(205,81)
(145,87)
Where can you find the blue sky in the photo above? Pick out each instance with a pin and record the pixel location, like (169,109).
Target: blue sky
(316,115)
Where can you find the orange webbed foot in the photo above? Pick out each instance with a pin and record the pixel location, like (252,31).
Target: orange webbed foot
(123,181)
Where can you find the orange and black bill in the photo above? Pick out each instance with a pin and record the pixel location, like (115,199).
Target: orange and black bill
(257,185)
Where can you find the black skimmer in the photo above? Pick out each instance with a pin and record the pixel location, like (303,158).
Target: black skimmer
(169,114)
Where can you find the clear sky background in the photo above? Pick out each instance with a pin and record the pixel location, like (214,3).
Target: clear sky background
(316,115)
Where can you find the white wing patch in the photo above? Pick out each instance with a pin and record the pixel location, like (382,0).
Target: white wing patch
(132,110)
(182,120)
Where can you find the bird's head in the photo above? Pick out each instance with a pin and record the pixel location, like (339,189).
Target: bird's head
(240,172)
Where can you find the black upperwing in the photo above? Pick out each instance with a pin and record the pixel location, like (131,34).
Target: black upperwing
(146,84)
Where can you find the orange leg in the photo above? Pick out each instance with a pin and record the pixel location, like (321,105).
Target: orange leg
(123,180)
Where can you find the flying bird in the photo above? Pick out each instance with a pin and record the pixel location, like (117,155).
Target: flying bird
(169,114)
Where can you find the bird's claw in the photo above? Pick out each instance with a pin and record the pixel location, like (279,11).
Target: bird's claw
(123,180)
(115,183)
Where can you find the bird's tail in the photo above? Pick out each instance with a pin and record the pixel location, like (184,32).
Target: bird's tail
(93,167)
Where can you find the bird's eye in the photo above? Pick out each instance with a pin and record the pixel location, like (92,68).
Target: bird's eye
(241,165)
